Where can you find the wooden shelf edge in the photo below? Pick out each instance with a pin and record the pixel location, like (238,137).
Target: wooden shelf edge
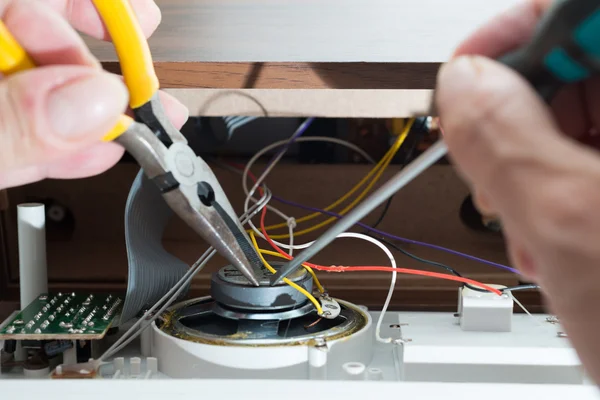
(325,103)
(279,75)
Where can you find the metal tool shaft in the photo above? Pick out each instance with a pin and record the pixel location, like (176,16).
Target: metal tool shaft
(397,182)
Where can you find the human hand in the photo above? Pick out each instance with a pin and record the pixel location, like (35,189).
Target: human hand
(536,167)
(52,118)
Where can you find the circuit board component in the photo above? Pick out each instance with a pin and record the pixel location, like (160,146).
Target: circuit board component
(64,316)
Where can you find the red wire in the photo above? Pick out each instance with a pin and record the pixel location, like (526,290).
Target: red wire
(365,268)
(371,268)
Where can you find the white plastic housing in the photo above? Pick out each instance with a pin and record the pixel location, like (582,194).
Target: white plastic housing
(184,359)
(33,273)
(485,312)
(531,353)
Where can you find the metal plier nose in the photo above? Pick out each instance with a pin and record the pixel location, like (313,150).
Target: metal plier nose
(186,182)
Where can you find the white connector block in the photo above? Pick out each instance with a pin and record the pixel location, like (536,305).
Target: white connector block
(485,312)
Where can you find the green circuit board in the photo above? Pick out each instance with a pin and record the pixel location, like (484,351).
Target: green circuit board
(64,316)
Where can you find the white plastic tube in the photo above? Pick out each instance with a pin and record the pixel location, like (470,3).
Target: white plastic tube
(33,272)
(70,355)
(146,341)
(317,360)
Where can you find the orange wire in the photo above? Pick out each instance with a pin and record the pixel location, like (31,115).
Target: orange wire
(371,268)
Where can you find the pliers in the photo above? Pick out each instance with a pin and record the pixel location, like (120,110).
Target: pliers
(186,182)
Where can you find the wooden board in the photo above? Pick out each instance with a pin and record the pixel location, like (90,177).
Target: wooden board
(334,103)
(399,31)
(288,75)
(306,46)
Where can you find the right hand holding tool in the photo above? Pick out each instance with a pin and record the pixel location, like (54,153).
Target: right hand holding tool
(535,166)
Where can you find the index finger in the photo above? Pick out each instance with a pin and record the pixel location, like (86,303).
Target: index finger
(506,32)
(83,16)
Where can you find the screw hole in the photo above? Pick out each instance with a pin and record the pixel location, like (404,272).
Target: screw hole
(206,194)
(354,368)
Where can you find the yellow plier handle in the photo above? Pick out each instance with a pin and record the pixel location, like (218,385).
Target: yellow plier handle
(13,58)
(130,44)
(132,49)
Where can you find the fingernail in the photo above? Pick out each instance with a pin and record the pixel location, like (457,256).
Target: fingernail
(180,114)
(482,202)
(87,107)
(457,73)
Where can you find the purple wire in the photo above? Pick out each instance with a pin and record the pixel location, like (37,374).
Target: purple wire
(401,239)
(299,132)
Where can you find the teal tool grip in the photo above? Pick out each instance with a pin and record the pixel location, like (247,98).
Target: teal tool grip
(587,35)
(564,67)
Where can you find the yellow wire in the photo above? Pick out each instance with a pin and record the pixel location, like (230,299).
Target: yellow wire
(320,288)
(388,156)
(286,280)
(387,159)
(306,267)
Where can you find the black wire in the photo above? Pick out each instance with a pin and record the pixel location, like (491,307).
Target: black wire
(520,287)
(418,136)
(386,208)
(424,261)
(448,268)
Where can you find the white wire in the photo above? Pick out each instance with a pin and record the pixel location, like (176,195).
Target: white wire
(268,170)
(275,161)
(523,308)
(392,282)
(291,225)
(291,222)
(253,199)
(281,143)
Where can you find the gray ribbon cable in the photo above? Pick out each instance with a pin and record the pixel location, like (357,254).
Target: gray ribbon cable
(152,270)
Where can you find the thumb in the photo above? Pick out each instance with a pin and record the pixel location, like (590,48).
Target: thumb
(492,118)
(503,137)
(543,184)
(52,112)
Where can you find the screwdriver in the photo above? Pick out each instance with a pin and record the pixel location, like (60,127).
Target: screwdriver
(564,49)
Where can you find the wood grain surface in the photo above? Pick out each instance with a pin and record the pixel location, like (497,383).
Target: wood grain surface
(398,31)
(308,44)
(270,75)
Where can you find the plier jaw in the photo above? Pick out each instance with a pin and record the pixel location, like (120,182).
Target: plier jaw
(193,192)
